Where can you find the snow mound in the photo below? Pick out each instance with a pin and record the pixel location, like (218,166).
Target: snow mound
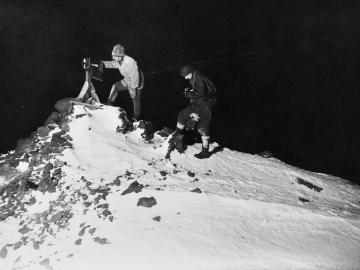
(83,195)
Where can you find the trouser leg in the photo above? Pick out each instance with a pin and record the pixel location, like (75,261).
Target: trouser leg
(137,104)
(115,88)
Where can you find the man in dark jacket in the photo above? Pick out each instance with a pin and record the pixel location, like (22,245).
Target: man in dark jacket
(202,98)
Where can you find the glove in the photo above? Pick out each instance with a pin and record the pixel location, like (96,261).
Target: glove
(189,93)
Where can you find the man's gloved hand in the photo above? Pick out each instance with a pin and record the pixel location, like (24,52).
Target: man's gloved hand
(132,92)
(188,93)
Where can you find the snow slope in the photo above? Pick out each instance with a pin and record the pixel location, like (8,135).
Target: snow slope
(231,211)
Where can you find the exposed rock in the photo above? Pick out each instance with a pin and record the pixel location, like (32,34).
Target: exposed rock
(303,200)
(266,154)
(24,230)
(157,218)
(176,142)
(17,245)
(36,244)
(43,131)
(134,187)
(196,190)
(148,133)
(165,132)
(78,242)
(63,106)
(53,118)
(101,241)
(146,202)
(117,182)
(3,252)
(92,231)
(127,125)
(308,184)
(191,174)
(23,145)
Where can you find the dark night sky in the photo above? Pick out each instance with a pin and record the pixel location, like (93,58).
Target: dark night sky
(294,92)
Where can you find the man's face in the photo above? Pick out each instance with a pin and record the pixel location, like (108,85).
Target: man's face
(189,76)
(117,58)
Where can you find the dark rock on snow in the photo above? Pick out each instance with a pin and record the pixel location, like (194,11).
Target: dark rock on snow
(146,202)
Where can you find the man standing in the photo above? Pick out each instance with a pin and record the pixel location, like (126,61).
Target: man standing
(202,98)
(133,80)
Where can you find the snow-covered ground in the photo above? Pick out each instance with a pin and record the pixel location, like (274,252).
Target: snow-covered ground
(231,211)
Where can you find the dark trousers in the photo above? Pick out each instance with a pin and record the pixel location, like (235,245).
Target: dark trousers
(196,115)
(119,87)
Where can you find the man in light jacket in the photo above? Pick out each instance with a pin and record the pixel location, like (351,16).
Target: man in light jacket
(133,80)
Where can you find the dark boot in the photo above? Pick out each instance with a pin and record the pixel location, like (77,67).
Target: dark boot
(109,102)
(203,154)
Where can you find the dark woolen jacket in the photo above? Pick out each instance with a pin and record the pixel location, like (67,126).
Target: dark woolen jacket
(203,88)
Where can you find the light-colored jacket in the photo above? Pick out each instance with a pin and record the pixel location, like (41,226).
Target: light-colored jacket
(128,68)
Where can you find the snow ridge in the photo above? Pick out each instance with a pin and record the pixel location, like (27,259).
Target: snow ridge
(81,195)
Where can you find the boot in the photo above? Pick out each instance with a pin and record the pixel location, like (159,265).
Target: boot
(203,154)
(109,102)
(178,131)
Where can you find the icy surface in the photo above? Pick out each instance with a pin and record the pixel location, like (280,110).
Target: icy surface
(231,211)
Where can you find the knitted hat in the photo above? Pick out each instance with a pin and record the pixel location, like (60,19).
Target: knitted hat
(118,50)
(185,70)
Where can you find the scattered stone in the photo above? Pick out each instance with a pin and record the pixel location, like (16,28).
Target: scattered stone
(106,213)
(63,106)
(80,115)
(196,190)
(175,171)
(303,200)
(101,241)
(191,174)
(78,242)
(36,244)
(266,154)
(148,128)
(32,201)
(87,204)
(117,182)
(196,180)
(146,202)
(175,142)
(157,218)
(163,173)
(165,132)
(133,187)
(105,206)
(308,184)
(24,230)
(45,262)
(43,131)
(17,245)
(92,231)
(3,252)
(53,118)
(82,231)
(84,196)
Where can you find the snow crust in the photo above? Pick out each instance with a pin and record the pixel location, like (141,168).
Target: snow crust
(231,211)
